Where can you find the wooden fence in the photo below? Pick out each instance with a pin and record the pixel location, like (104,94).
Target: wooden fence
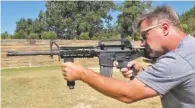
(38,45)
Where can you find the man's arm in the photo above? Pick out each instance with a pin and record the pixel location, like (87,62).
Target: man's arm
(127,92)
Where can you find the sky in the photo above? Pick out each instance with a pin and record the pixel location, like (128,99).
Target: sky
(13,11)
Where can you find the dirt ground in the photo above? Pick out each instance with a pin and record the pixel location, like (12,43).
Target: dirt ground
(44,87)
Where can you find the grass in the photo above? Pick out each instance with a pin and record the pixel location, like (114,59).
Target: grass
(44,87)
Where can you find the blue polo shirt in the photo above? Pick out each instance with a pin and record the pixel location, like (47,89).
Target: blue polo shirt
(173,76)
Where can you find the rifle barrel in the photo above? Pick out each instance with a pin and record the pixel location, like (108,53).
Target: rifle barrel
(32,53)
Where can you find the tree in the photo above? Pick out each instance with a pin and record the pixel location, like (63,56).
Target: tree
(71,18)
(5,35)
(84,36)
(49,35)
(24,25)
(34,36)
(40,25)
(131,11)
(29,27)
(185,28)
(20,35)
(188,21)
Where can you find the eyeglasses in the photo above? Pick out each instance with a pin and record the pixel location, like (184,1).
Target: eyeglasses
(145,31)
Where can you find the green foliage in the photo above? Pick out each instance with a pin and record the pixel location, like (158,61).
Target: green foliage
(29,26)
(33,36)
(71,18)
(84,36)
(131,11)
(49,35)
(81,20)
(89,20)
(185,28)
(94,38)
(20,35)
(106,35)
(24,25)
(188,21)
(5,35)
(129,38)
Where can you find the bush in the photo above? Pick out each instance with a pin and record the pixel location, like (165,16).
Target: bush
(5,35)
(94,38)
(20,35)
(33,36)
(114,36)
(84,36)
(185,28)
(49,35)
(104,35)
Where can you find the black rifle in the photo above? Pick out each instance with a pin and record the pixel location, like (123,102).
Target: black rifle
(106,51)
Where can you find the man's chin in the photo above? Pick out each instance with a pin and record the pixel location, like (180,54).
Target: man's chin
(155,55)
(151,54)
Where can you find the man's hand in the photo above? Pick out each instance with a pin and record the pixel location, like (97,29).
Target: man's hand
(124,91)
(131,67)
(72,71)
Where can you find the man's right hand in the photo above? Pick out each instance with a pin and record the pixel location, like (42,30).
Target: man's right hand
(131,67)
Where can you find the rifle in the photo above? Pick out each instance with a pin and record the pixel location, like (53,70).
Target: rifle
(107,54)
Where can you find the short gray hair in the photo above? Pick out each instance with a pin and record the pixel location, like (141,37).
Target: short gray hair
(160,13)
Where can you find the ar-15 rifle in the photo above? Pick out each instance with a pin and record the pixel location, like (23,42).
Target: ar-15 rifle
(107,54)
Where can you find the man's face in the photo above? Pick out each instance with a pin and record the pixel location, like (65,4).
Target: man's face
(152,38)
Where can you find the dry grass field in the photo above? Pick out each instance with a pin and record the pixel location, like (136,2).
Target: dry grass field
(44,86)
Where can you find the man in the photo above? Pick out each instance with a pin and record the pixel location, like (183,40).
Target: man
(172,76)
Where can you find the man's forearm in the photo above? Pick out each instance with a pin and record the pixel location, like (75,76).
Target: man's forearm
(117,89)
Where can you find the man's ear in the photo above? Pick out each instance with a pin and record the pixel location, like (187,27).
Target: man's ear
(165,28)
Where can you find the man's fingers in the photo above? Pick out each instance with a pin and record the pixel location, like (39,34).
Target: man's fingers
(124,69)
(66,64)
(131,63)
(63,69)
(66,73)
(128,76)
(128,72)
(65,78)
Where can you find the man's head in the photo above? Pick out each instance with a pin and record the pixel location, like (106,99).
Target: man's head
(158,28)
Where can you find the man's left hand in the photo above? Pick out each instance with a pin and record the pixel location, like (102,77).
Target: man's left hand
(72,71)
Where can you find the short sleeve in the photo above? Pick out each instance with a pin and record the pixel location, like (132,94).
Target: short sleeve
(169,71)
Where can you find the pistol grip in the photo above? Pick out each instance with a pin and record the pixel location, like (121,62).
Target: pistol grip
(133,75)
(123,64)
